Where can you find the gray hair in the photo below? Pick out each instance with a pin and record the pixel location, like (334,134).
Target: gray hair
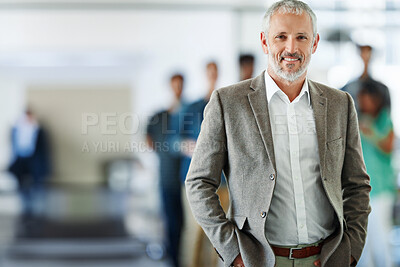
(292,7)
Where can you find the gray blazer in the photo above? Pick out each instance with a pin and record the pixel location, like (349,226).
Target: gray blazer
(236,138)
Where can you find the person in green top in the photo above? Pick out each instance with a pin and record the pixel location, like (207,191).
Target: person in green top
(377,139)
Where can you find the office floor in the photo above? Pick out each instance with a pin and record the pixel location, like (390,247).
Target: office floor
(142,262)
(130,240)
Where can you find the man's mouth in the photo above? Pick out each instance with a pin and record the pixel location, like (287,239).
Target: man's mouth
(290,59)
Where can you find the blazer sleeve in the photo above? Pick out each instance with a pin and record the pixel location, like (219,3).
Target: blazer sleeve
(355,185)
(204,178)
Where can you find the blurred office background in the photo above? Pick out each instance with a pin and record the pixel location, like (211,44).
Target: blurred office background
(94,71)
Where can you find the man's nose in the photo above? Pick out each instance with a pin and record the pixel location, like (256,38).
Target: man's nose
(291,45)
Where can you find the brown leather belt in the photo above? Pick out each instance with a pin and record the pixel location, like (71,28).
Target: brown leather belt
(297,253)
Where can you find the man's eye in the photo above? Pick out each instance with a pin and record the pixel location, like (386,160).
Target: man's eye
(280,37)
(302,37)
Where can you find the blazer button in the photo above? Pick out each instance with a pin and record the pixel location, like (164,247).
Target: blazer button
(272,177)
(263,214)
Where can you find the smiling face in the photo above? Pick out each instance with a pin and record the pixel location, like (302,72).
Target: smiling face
(289,45)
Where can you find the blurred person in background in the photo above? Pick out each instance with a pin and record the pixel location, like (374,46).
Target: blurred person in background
(162,133)
(353,87)
(193,117)
(30,163)
(377,138)
(246,65)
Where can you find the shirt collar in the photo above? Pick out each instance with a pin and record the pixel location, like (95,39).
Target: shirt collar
(272,88)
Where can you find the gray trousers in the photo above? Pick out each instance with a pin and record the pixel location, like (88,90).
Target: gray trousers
(306,262)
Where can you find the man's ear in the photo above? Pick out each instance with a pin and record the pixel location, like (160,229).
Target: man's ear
(264,45)
(315,44)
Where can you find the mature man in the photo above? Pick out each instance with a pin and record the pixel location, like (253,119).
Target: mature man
(290,151)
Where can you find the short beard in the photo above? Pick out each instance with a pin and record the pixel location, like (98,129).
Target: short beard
(287,76)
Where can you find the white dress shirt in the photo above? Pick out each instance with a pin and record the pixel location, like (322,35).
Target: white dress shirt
(26,133)
(300,212)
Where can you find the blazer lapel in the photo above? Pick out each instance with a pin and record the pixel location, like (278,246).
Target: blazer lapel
(320,107)
(259,106)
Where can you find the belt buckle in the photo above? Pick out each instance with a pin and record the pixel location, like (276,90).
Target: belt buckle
(291,253)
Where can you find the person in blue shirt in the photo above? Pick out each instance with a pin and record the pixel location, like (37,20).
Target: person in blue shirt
(163,137)
(190,130)
(192,118)
(30,162)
